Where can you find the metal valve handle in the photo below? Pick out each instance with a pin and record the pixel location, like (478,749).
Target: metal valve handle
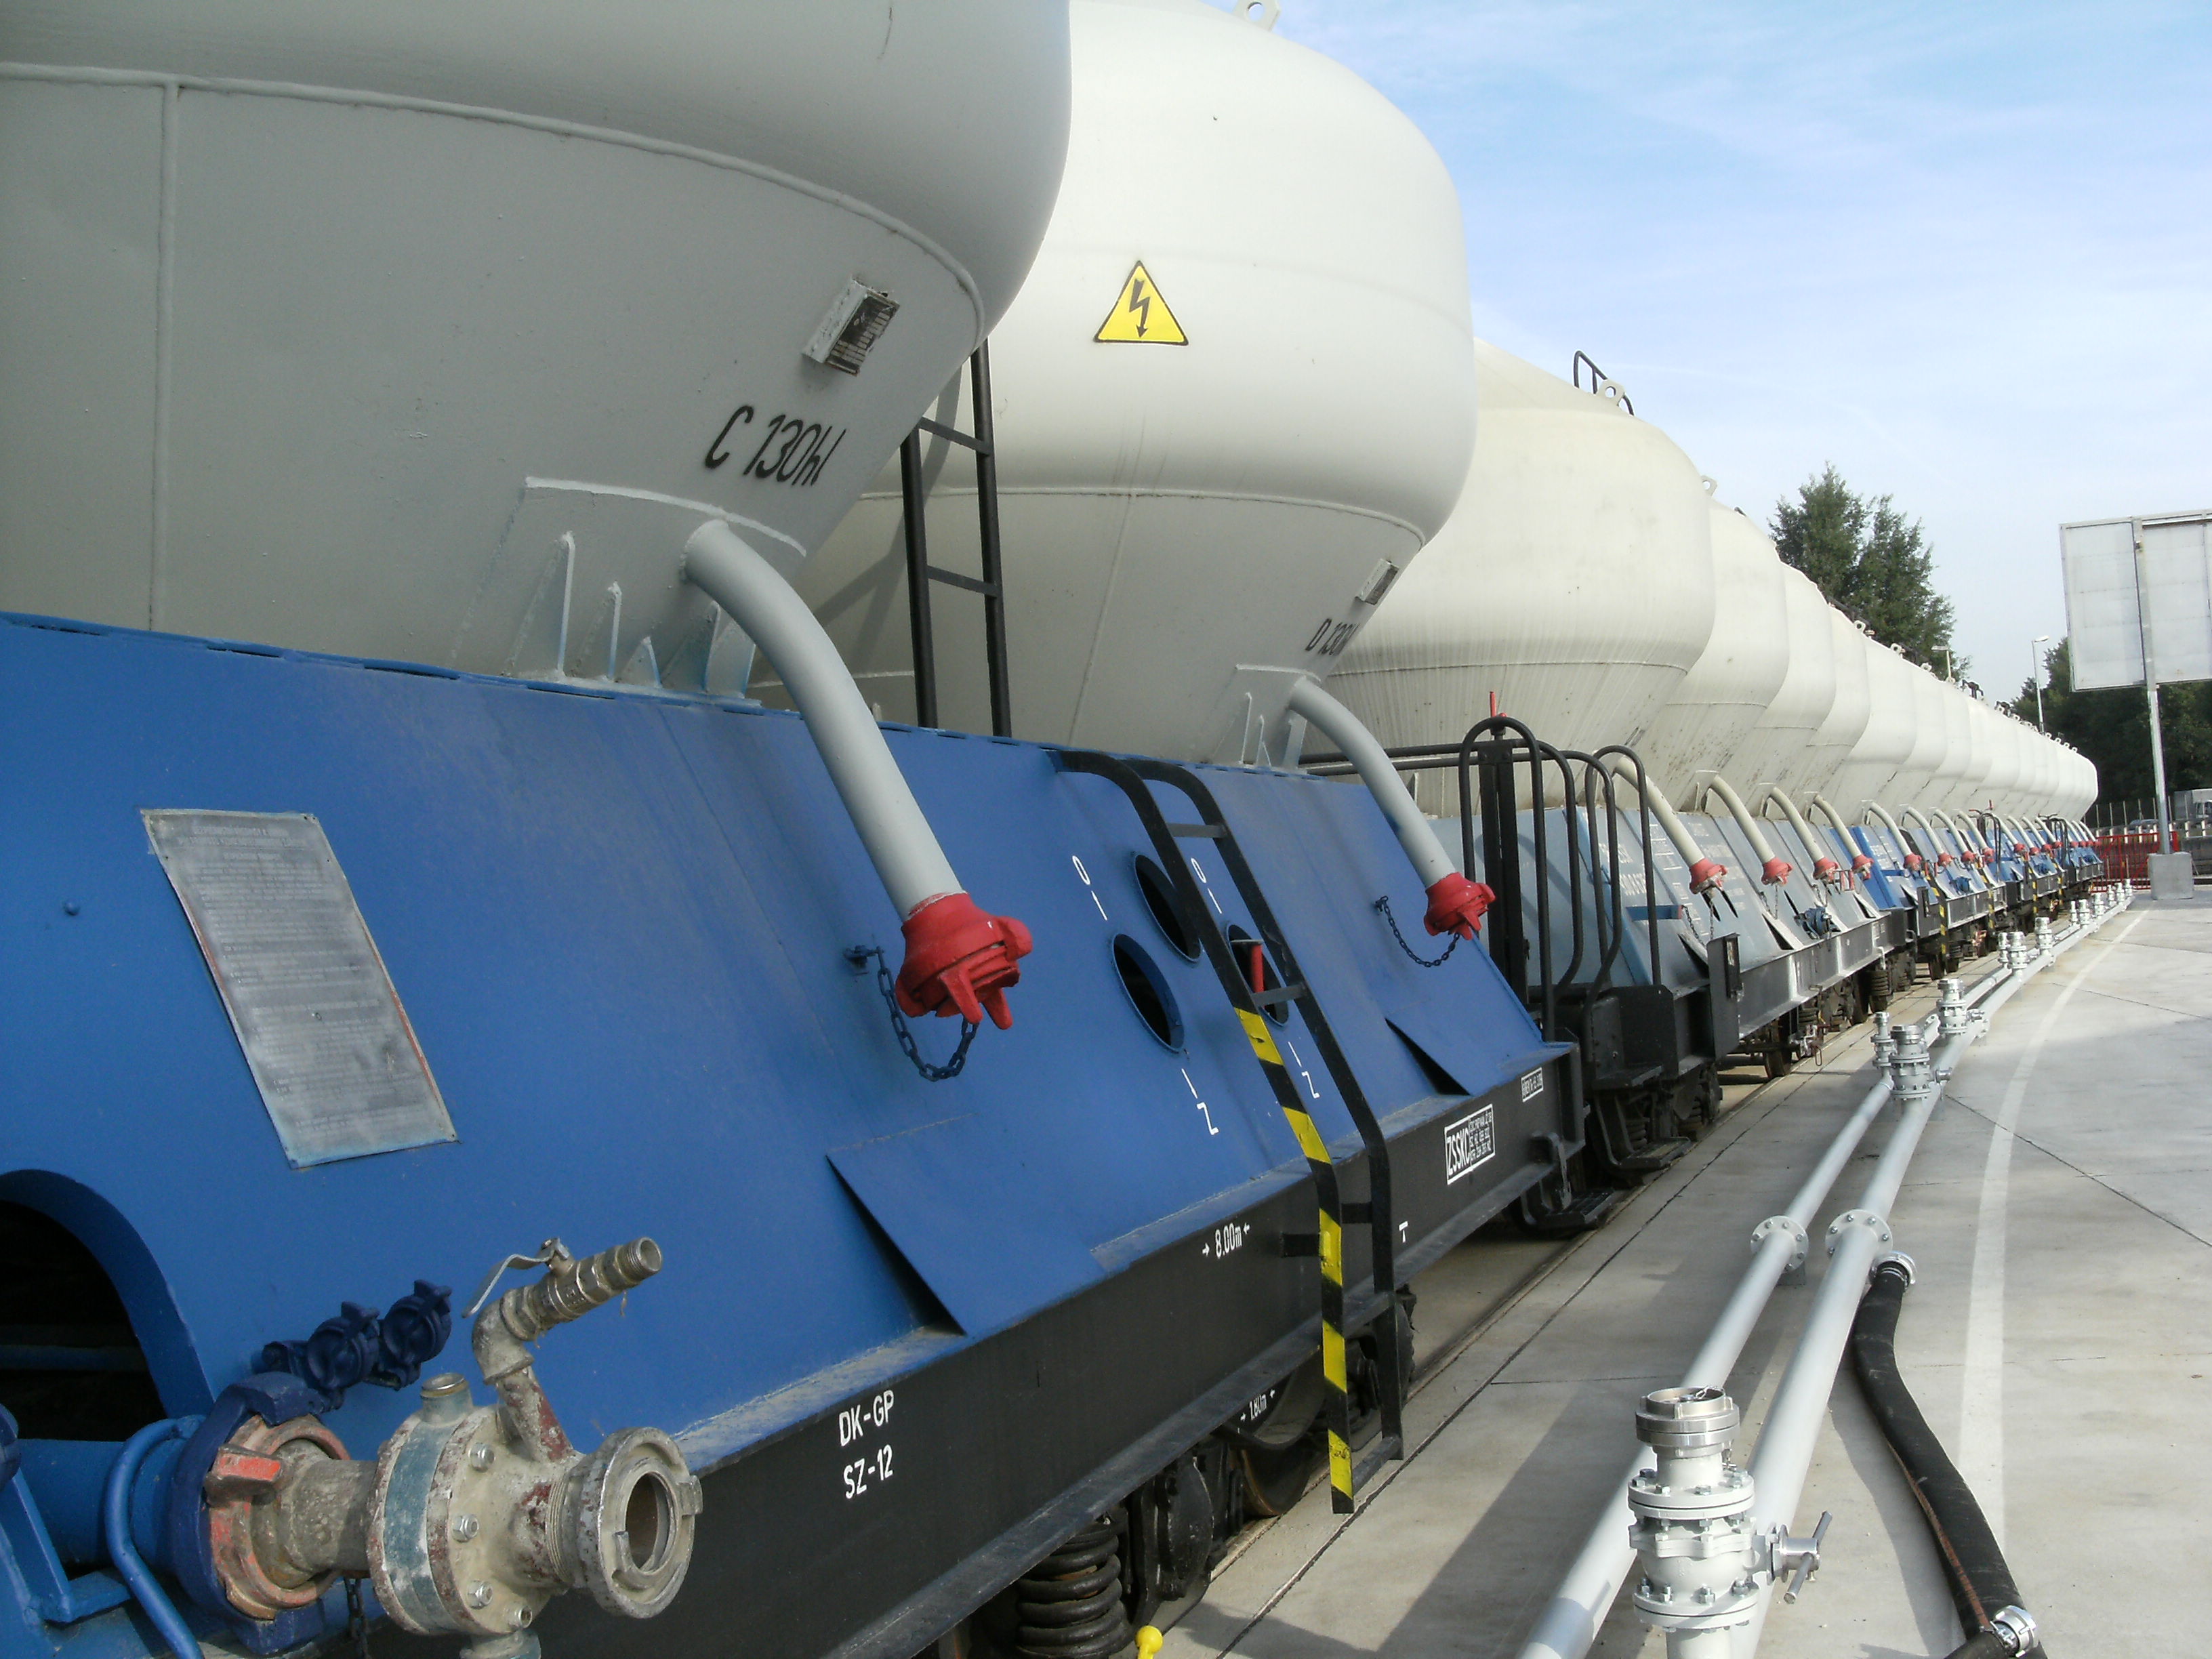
(1804,1553)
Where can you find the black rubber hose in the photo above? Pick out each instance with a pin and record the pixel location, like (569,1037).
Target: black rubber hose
(1973,1565)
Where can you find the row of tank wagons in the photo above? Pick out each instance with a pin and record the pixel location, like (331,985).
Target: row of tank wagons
(1236,398)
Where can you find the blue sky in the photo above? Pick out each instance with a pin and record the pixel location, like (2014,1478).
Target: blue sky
(1963,251)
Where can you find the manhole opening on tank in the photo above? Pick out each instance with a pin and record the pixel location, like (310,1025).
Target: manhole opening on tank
(1248,951)
(1148,990)
(1160,899)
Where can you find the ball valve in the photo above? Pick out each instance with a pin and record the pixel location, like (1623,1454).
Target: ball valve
(472,1517)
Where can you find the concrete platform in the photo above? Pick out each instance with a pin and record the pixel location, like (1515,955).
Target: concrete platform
(2059,1340)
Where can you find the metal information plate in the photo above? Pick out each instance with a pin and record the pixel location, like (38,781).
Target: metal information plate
(330,1047)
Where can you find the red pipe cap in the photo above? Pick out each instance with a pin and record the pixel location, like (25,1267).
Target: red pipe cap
(1457,906)
(1706,875)
(1913,860)
(1775,872)
(959,960)
(1826,869)
(1863,863)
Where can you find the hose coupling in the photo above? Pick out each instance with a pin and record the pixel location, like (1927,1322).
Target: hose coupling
(1884,1040)
(2016,1629)
(571,1289)
(483,1513)
(1693,1533)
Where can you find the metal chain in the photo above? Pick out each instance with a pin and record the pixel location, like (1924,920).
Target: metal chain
(859,955)
(356,1621)
(1383,905)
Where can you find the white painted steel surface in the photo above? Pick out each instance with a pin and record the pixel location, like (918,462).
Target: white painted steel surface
(1746,660)
(1958,746)
(1781,747)
(1931,741)
(1892,719)
(1575,580)
(1189,528)
(2007,754)
(325,326)
(1846,720)
(1981,733)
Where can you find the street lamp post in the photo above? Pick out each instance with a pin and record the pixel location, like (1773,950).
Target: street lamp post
(2035,673)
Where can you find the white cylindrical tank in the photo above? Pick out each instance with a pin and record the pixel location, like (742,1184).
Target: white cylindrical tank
(1915,773)
(1950,775)
(1981,754)
(2086,785)
(1194,517)
(1779,747)
(1746,660)
(1574,582)
(419,332)
(2000,786)
(1869,773)
(1846,721)
(2046,777)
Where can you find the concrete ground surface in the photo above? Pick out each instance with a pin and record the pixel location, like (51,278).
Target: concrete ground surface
(2059,1340)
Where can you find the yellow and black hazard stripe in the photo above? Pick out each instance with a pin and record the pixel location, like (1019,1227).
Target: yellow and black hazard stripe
(1336,1405)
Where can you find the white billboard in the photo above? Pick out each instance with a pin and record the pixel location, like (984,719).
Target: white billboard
(2118,605)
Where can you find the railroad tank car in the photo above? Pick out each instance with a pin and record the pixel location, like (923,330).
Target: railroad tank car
(419,892)
(1779,746)
(1981,724)
(1958,749)
(2029,788)
(2003,778)
(1573,583)
(223,231)
(1846,721)
(1745,662)
(1867,773)
(1916,770)
(1232,404)
(2083,793)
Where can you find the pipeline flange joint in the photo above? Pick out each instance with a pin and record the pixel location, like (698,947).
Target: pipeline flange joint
(1800,1245)
(1873,1221)
(1951,1008)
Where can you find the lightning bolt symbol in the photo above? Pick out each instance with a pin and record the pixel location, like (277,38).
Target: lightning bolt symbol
(1141,303)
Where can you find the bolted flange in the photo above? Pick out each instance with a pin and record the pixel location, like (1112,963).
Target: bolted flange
(1800,1245)
(1874,1222)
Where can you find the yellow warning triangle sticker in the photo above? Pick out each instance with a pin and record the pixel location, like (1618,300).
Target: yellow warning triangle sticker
(1140,316)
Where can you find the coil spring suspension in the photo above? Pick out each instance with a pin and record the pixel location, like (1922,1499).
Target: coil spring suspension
(1069,1605)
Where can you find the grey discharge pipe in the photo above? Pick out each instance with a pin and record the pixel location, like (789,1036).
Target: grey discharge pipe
(959,959)
(1457,903)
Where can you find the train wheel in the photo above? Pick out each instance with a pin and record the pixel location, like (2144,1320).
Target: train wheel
(1274,1480)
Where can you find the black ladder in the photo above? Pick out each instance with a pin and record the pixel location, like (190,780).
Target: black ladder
(919,572)
(1254,1004)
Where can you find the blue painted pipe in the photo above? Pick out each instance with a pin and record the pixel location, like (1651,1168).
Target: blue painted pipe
(122,1549)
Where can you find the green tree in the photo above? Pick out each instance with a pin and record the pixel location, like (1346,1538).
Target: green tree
(1872,563)
(2112,726)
